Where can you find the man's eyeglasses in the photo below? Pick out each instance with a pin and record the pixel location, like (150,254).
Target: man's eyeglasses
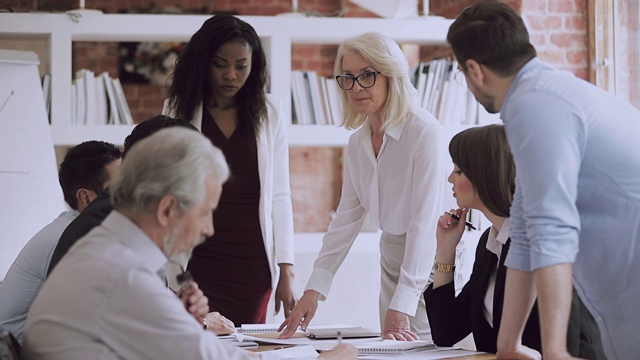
(365,80)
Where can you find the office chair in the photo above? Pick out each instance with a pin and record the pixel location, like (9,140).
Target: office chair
(9,346)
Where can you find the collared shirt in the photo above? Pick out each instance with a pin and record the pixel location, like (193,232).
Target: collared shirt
(105,300)
(401,191)
(495,242)
(27,274)
(497,239)
(577,200)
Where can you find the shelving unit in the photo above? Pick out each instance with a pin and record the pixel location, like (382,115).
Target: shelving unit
(277,33)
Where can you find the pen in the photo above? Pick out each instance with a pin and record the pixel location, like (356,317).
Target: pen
(339,337)
(457,218)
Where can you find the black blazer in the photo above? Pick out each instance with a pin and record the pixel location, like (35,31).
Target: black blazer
(453,318)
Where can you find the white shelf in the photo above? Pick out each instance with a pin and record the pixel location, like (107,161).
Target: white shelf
(277,33)
(75,134)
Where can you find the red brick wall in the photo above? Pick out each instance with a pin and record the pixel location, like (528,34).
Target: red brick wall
(558,30)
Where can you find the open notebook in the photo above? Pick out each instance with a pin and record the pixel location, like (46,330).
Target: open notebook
(269,328)
(391,347)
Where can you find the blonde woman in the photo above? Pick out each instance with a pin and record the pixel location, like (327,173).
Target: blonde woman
(393,171)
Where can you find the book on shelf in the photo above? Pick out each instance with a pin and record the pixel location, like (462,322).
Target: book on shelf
(441,95)
(335,103)
(326,101)
(317,100)
(98,100)
(87,78)
(112,101)
(309,98)
(46,93)
(304,111)
(102,111)
(74,103)
(80,102)
(123,108)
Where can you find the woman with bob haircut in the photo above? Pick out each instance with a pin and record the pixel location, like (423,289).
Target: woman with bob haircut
(483,178)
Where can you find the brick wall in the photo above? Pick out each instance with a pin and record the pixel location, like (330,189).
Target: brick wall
(558,30)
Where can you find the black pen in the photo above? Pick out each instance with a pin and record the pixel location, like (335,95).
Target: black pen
(457,218)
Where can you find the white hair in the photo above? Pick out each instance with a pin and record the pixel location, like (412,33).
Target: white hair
(384,55)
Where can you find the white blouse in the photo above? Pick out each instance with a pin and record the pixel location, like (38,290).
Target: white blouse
(495,242)
(401,190)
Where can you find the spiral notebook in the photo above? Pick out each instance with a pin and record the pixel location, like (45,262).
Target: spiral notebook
(271,328)
(391,347)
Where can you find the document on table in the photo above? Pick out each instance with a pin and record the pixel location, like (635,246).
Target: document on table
(382,347)
(300,339)
(271,328)
(433,353)
(233,340)
(296,352)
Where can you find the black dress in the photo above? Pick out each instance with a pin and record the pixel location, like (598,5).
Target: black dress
(231,267)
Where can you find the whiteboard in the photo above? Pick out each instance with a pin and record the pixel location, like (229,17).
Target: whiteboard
(30,194)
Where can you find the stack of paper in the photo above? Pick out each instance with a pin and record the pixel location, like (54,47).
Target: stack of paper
(233,340)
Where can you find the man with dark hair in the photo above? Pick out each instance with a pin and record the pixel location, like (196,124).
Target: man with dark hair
(83,174)
(101,207)
(576,211)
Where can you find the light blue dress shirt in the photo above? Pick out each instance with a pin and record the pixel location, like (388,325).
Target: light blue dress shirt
(577,200)
(27,274)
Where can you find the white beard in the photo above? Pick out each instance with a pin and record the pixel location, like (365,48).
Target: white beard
(168,245)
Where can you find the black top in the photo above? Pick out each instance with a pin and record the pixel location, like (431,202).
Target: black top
(453,318)
(89,218)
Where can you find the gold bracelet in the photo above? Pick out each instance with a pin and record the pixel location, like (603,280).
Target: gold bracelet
(446,268)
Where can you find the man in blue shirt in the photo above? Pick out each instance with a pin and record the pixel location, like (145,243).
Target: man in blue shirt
(83,175)
(576,211)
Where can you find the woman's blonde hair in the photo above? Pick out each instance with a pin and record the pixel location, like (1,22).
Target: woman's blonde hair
(384,55)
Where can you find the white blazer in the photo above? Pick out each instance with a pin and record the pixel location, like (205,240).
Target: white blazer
(276,211)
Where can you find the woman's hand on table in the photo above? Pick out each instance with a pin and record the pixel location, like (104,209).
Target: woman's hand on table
(301,315)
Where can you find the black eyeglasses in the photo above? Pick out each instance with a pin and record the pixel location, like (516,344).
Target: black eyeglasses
(365,80)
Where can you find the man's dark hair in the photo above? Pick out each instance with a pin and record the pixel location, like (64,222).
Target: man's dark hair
(84,167)
(100,208)
(150,126)
(494,35)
